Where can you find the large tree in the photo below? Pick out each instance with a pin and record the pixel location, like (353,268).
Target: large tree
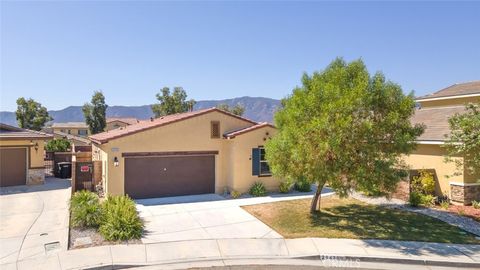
(344,128)
(94,113)
(31,114)
(171,103)
(237,109)
(464,140)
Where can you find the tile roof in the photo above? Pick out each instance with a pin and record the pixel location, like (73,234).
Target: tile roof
(70,125)
(458,89)
(126,120)
(8,132)
(436,121)
(233,134)
(156,122)
(72,137)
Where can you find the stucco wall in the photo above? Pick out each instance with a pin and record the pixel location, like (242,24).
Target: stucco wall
(449,102)
(242,178)
(35,157)
(188,135)
(433,157)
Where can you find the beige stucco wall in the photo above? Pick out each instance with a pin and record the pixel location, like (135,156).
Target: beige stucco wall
(73,130)
(433,157)
(188,135)
(241,160)
(115,125)
(448,102)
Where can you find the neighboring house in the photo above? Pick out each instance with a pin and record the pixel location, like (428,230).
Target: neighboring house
(117,122)
(75,140)
(21,156)
(197,152)
(73,128)
(434,111)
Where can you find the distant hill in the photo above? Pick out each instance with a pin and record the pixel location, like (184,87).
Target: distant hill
(256,108)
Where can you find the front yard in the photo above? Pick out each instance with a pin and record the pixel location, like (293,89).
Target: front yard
(350,218)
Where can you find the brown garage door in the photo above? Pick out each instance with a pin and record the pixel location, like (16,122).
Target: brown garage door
(150,177)
(13,168)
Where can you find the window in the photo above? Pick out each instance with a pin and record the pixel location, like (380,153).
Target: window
(62,130)
(69,131)
(82,132)
(215,129)
(264,167)
(260,165)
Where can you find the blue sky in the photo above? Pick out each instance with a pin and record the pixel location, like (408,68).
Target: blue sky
(60,52)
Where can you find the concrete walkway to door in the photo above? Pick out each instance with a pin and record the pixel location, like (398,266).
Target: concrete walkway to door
(34,220)
(208,216)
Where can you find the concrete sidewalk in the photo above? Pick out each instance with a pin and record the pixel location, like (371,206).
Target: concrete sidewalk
(205,251)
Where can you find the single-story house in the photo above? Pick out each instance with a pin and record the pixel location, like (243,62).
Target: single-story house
(434,110)
(204,151)
(73,128)
(21,156)
(117,122)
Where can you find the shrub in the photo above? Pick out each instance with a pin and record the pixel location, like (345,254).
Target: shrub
(235,194)
(427,200)
(120,219)
(284,187)
(476,204)
(58,145)
(303,186)
(444,204)
(85,209)
(258,189)
(424,183)
(415,199)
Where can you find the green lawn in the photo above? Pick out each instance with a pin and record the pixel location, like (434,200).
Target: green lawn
(349,218)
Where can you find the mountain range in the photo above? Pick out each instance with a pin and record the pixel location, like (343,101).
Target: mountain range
(259,109)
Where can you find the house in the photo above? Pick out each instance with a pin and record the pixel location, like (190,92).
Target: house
(204,151)
(434,111)
(75,140)
(73,128)
(21,156)
(117,122)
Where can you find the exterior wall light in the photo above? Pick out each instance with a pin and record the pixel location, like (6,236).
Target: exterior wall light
(115,162)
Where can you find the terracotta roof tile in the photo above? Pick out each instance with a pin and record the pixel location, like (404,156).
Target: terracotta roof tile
(157,122)
(458,89)
(234,133)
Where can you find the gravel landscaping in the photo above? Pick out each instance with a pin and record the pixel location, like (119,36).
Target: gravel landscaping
(89,237)
(465,223)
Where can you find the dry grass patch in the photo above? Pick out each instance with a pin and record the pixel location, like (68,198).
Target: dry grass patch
(350,218)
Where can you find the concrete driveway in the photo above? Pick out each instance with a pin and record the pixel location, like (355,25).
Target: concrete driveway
(33,220)
(208,216)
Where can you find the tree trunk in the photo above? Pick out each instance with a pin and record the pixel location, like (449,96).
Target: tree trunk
(316,199)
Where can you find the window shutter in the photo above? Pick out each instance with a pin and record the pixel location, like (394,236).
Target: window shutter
(255,161)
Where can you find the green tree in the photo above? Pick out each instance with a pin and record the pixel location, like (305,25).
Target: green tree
(171,103)
(94,113)
(58,145)
(31,114)
(344,128)
(464,140)
(237,109)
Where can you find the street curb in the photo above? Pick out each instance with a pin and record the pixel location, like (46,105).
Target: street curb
(328,258)
(393,260)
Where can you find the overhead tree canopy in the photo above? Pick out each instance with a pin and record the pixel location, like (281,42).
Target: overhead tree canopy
(464,141)
(58,145)
(172,103)
(344,128)
(94,113)
(237,109)
(31,114)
